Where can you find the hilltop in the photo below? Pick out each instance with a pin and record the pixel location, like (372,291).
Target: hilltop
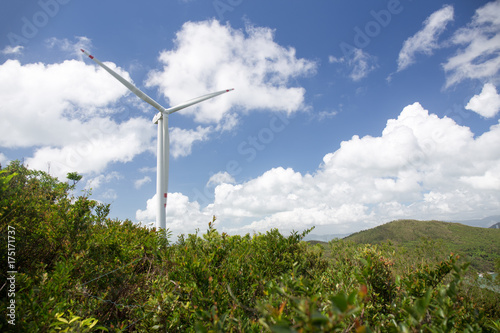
(480,246)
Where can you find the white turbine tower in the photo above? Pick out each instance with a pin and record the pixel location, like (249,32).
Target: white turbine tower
(161,119)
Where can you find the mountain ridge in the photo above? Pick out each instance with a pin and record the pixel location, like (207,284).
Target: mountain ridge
(480,246)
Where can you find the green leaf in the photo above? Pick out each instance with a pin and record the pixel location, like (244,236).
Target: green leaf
(340,302)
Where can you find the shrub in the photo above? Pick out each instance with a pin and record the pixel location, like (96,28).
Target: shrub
(78,270)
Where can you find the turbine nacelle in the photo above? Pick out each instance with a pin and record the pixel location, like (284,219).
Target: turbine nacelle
(157,117)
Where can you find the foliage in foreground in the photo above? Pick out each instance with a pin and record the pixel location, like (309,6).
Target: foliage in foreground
(81,271)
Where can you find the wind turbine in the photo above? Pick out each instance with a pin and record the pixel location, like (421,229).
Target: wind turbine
(161,118)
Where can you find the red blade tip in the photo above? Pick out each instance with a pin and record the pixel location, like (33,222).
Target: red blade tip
(90,56)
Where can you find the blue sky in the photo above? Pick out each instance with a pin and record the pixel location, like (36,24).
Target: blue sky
(345,114)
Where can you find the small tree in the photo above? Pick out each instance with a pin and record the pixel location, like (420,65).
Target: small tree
(74,176)
(50,221)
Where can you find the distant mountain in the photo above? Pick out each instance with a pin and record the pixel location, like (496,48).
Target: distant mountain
(483,223)
(480,246)
(487,222)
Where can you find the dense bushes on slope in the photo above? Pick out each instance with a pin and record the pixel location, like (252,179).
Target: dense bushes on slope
(78,270)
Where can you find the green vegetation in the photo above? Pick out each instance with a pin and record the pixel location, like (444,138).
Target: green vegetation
(79,271)
(479,246)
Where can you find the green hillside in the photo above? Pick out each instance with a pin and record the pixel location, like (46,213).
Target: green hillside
(480,246)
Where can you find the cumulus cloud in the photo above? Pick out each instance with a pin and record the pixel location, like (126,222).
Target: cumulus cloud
(487,103)
(41,103)
(183,216)
(420,166)
(63,111)
(489,181)
(478,56)
(425,41)
(250,61)
(96,150)
(182,140)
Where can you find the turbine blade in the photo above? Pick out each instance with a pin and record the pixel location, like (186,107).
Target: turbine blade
(127,84)
(196,100)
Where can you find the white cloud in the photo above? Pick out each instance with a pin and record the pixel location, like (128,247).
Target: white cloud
(109,194)
(147,169)
(490,180)
(92,154)
(334,60)
(421,166)
(96,182)
(362,64)
(41,103)
(425,41)
(479,56)
(63,111)
(251,62)
(71,47)
(486,104)
(326,114)
(221,178)
(183,216)
(359,62)
(141,182)
(182,140)
(12,50)
(3,160)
